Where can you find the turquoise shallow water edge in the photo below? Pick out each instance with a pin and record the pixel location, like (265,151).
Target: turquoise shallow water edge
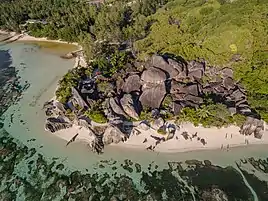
(48,170)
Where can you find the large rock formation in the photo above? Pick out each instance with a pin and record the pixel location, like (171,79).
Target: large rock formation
(152,96)
(153,75)
(124,94)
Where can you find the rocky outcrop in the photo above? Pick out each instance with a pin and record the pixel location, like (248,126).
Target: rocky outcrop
(153,95)
(144,125)
(153,75)
(158,123)
(116,106)
(77,99)
(253,126)
(127,92)
(54,108)
(113,135)
(159,62)
(196,70)
(55,124)
(129,107)
(132,83)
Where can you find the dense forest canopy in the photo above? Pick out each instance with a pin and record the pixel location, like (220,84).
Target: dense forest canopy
(223,32)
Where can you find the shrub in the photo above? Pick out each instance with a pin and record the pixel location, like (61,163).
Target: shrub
(96,115)
(210,115)
(162,131)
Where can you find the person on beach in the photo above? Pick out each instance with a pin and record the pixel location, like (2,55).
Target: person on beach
(194,135)
(228,146)
(145,140)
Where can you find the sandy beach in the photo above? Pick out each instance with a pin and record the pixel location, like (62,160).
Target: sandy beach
(215,138)
(26,37)
(79,60)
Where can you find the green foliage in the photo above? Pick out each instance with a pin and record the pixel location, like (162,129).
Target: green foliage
(71,20)
(96,115)
(210,115)
(112,63)
(70,114)
(200,35)
(240,28)
(162,131)
(144,115)
(167,102)
(104,87)
(68,81)
(239,119)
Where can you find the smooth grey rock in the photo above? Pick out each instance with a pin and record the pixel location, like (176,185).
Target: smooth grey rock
(113,135)
(160,62)
(153,97)
(158,123)
(144,125)
(153,75)
(116,107)
(132,83)
(55,124)
(228,83)
(128,105)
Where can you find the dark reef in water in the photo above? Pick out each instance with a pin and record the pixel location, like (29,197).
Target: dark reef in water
(10,86)
(193,180)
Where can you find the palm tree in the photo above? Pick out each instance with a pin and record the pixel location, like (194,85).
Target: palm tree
(203,112)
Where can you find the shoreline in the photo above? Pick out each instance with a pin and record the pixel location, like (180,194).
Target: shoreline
(15,37)
(216,139)
(27,37)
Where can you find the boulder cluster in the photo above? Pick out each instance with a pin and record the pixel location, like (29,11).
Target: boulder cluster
(143,86)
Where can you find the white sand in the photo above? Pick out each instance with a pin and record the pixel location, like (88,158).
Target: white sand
(26,37)
(215,138)
(68,134)
(79,60)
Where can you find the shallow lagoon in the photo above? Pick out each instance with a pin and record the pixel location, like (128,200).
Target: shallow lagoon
(148,176)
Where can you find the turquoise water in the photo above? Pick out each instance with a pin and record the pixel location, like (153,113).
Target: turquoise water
(35,165)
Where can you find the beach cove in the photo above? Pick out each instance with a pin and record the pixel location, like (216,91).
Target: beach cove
(27,58)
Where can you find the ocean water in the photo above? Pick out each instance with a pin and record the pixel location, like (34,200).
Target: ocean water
(35,165)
